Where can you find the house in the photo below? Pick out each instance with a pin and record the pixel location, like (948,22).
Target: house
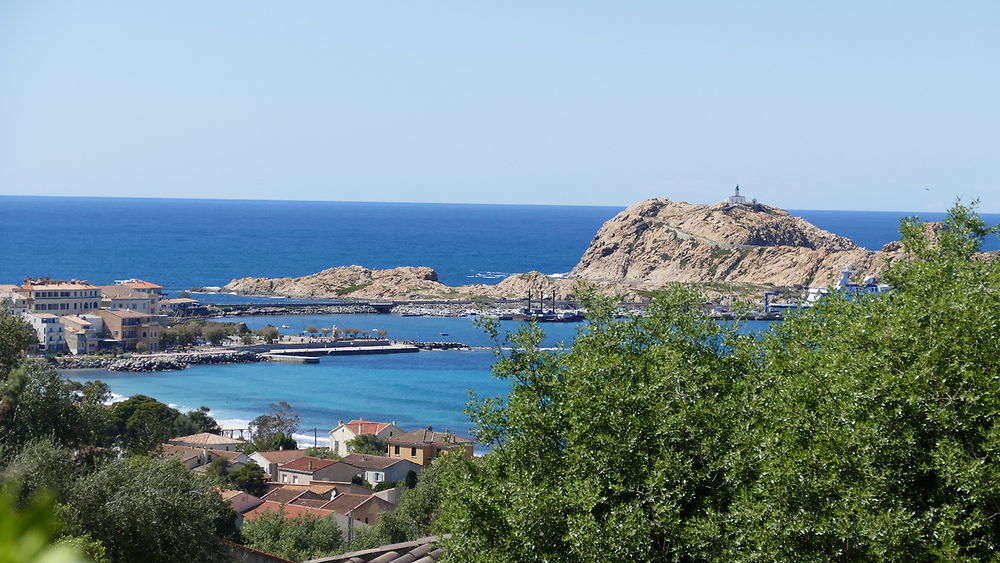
(132,329)
(290,511)
(307,468)
(122,297)
(82,332)
(378,469)
(346,431)
(240,502)
(154,291)
(270,460)
(424,446)
(198,458)
(208,441)
(234,460)
(59,297)
(9,296)
(178,305)
(424,550)
(353,505)
(48,330)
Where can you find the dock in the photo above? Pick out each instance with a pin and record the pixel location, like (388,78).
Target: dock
(313,353)
(291,359)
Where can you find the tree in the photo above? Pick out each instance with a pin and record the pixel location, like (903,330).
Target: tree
(249,479)
(196,422)
(151,509)
(312,329)
(369,444)
(15,338)
(268,334)
(214,334)
(275,427)
(304,537)
(410,481)
(247,339)
(141,423)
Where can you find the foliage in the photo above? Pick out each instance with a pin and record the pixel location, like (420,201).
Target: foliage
(196,422)
(856,430)
(214,334)
(249,479)
(386,485)
(15,338)
(282,421)
(410,480)
(305,537)
(40,467)
(322,453)
(312,329)
(27,533)
(268,334)
(368,444)
(151,509)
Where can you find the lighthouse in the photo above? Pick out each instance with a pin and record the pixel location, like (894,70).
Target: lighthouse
(736,198)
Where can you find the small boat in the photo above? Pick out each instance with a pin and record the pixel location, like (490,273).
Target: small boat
(285,326)
(444,334)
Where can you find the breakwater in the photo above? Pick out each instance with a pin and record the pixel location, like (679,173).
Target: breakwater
(153,362)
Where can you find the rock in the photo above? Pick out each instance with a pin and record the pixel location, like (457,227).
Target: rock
(659,241)
(346,281)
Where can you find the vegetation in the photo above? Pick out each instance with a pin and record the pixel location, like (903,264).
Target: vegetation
(368,444)
(268,334)
(856,430)
(304,537)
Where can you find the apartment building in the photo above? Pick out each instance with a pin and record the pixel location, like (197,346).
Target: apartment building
(59,297)
(48,330)
(154,291)
(133,330)
(12,299)
(82,333)
(122,297)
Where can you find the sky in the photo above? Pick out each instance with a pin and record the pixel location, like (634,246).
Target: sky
(835,105)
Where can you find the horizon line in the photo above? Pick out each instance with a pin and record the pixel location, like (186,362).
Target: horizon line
(224,199)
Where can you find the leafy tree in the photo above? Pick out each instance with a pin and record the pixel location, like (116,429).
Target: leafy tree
(41,466)
(322,453)
(15,338)
(410,481)
(218,468)
(249,479)
(282,421)
(151,509)
(195,422)
(304,537)
(369,444)
(28,533)
(247,339)
(141,423)
(214,334)
(268,334)
(312,329)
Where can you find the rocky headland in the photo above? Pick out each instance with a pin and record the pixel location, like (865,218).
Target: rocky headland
(154,362)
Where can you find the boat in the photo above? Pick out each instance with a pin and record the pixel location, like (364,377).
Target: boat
(852,291)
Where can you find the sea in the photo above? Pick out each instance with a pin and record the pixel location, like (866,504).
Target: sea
(183,243)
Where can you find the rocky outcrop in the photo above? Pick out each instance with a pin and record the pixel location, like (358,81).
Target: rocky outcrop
(150,363)
(659,241)
(347,281)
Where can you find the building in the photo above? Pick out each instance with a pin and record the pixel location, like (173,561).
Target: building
(16,302)
(121,297)
(736,198)
(48,330)
(424,446)
(59,297)
(82,333)
(178,305)
(306,469)
(208,441)
(379,469)
(154,291)
(131,329)
(270,460)
(347,431)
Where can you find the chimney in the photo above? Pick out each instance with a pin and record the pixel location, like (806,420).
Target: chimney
(310,465)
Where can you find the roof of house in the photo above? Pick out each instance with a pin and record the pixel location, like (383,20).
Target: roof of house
(205,438)
(423,550)
(229,494)
(122,313)
(365,461)
(291,510)
(284,494)
(426,436)
(141,284)
(358,427)
(226,454)
(281,456)
(308,464)
(122,292)
(342,504)
(183,453)
(44,284)
(178,301)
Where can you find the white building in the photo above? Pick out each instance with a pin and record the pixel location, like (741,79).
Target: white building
(82,333)
(59,297)
(346,431)
(123,297)
(736,198)
(48,329)
(11,298)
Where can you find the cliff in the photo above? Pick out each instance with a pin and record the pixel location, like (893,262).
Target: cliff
(658,241)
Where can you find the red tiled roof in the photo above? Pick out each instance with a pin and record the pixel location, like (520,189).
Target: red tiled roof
(365,461)
(141,284)
(346,502)
(366,427)
(303,464)
(291,510)
(205,438)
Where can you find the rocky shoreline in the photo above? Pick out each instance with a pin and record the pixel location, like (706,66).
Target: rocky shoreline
(151,363)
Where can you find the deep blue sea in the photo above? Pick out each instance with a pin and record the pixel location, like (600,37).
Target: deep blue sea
(186,243)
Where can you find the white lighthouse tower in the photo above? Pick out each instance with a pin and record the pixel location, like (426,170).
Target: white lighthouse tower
(736,198)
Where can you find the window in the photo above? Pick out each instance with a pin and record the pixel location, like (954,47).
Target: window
(284,478)
(396,450)
(413,452)
(295,478)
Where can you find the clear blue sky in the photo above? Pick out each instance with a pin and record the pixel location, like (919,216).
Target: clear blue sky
(807,105)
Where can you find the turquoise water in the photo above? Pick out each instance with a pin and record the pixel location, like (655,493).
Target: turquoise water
(416,390)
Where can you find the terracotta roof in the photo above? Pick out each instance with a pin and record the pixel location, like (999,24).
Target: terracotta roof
(425,436)
(123,313)
(178,301)
(45,285)
(365,461)
(342,504)
(183,453)
(229,494)
(359,427)
(284,494)
(308,464)
(141,284)
(223,453)
(291,510)
(281,456)
(423,550)
(122,292)
(207,439)
(313,502)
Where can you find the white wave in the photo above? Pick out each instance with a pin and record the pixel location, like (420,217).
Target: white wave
(558,276)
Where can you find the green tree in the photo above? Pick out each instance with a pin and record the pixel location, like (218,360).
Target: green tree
(151,509)
(369,444)
(214,334)
(269,429)
(15,338)
(141,423)
(196,422)
(268,334)
(304,537)
(249,478)
(312,329)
